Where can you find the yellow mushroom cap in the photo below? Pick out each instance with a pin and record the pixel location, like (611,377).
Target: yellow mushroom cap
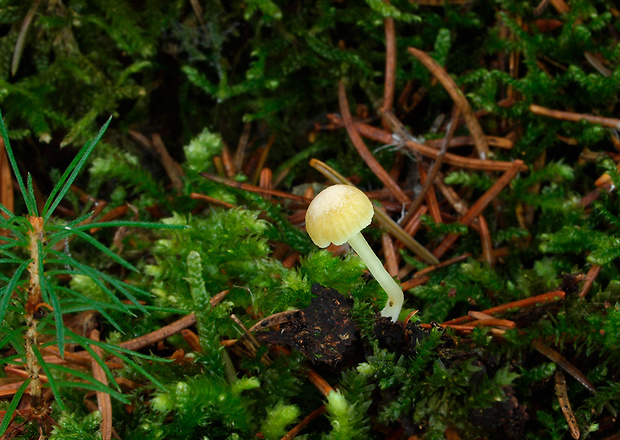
(336,214)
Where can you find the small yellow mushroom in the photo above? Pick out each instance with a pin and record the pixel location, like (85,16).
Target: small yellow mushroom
(337,215)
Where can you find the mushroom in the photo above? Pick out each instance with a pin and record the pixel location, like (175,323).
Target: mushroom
(337,215)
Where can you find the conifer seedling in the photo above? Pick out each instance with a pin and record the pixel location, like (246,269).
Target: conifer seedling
(337,215)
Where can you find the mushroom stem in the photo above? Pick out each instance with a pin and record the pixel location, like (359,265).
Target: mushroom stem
(393,290)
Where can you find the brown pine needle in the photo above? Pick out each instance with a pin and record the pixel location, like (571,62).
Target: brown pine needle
(212,200)
(427,187)
(192,340)
(385,137)
(256,189)
(170,329)
(575,117)
(444,263)
(305,422)
(390,66)
(562,394)
(364,152)
(459,99)
(21,38)
(6,180)
(414,282)
(389,254)
(564,364)
(487,243)
(242,147)
(320,383)
(522,303)
(480,205)
(590,277)
(104,401)
(461,141)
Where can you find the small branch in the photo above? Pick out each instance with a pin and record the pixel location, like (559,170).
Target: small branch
(158,149)
(275,319)
(435,167)
(451,196)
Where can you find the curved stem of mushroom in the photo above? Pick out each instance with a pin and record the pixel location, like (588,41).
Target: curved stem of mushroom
(393,290)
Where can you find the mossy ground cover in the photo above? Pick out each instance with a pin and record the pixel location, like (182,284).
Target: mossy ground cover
(157,281)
